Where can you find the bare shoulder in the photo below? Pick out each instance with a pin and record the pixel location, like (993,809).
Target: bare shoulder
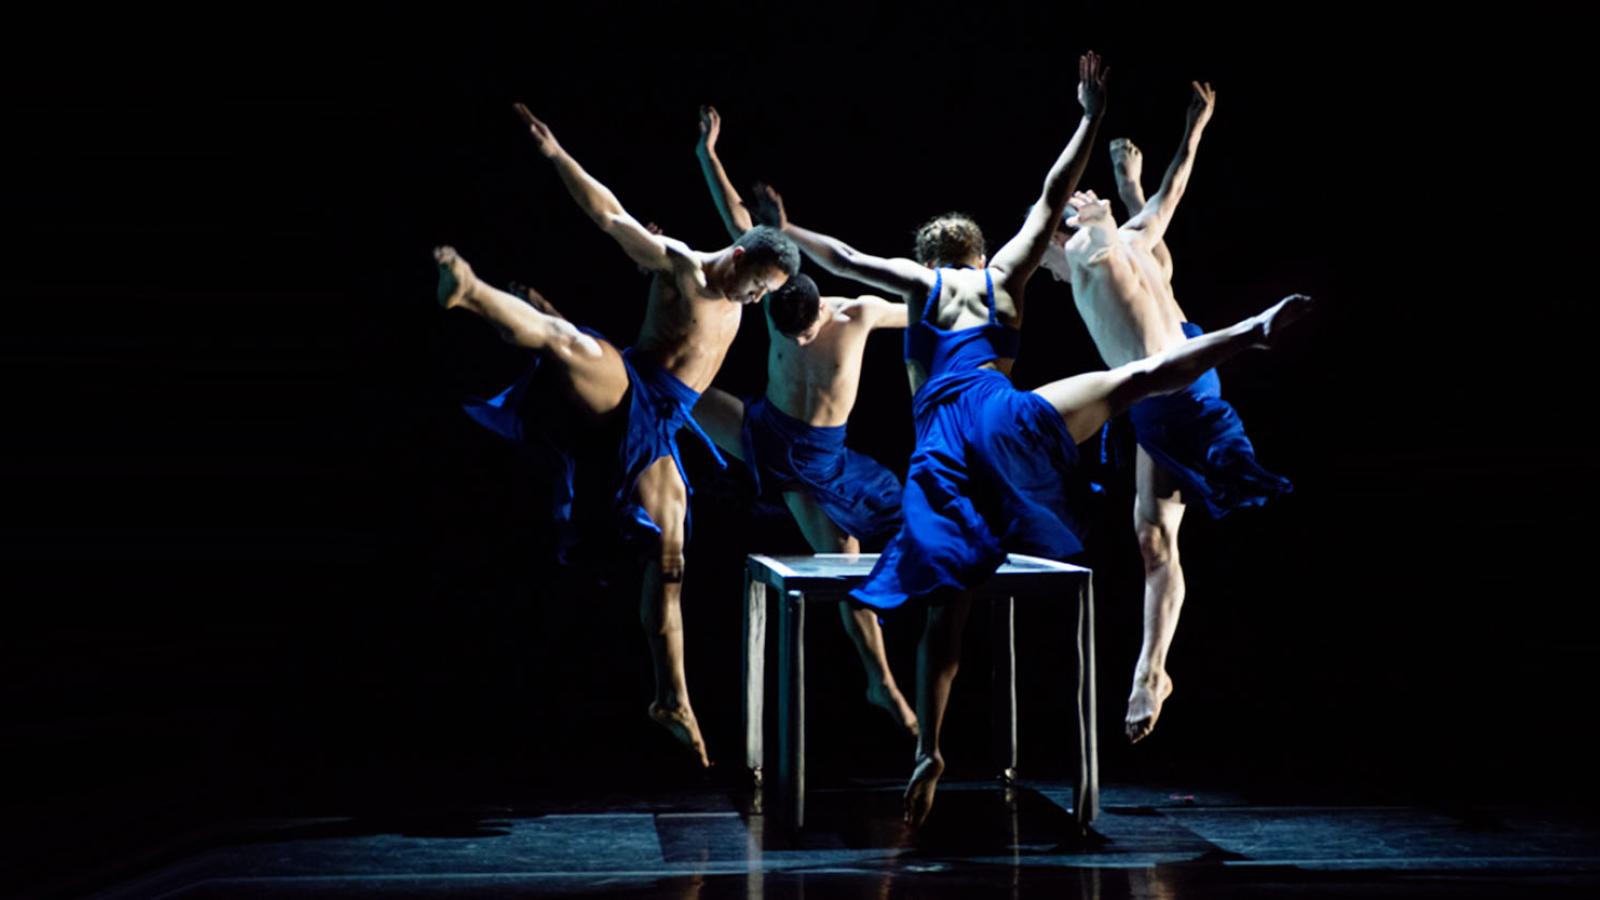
(850,307)
(688,268)
(1138,241)
(679,252)
(1134,233)
(864,309)
(1090,247)
(869,312)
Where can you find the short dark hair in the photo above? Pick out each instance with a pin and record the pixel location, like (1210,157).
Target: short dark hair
(794,307)
(765,245)
(950,238)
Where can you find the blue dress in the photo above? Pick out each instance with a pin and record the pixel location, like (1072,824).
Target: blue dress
(988,475)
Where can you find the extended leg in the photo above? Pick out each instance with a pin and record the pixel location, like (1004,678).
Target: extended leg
(594,368)
(1086,401)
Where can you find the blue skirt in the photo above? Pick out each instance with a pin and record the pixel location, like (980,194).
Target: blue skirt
(988,477)
(858,493)
(1197,437)
(652,411)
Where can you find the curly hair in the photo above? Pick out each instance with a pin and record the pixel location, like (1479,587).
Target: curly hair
(950,238)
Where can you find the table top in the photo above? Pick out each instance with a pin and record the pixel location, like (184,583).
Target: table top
(836,573)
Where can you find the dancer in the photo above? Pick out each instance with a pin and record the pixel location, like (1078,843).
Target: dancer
(643,394)
(793,438)
(979,440)
(1192,446)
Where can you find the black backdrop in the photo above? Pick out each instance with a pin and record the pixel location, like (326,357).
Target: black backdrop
(256,560)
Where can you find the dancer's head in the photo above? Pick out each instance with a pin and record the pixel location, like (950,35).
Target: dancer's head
(796,309)
(763,260)
(952,239)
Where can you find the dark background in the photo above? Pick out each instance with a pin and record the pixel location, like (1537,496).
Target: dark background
(257,563)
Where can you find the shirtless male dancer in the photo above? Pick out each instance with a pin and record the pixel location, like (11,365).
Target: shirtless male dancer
(645,392)
(1192,446)
(792,439)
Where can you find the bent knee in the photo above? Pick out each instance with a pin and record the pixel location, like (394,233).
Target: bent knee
(1158,543)
(669,556)
(669,540)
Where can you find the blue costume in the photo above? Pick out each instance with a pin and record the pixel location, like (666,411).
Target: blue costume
(858,493)
(988,473)
(652,411)
(1196,436)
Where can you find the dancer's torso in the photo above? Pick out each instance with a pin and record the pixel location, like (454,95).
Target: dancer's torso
(817,383)
(1123,295)
(963,322)
(685,334)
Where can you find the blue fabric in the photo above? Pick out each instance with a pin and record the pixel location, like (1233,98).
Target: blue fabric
(987,478)
(937,350)
(988,473)
(655,407)
(1197,437)
(857,492)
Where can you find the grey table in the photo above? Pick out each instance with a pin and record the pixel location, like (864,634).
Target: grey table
(799,580)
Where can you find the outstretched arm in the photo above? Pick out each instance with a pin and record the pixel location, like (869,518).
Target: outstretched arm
(730,206)
(599,204)
(1158,210)
(1016,261)
(902,276)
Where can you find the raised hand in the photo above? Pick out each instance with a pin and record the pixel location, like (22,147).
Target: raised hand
(1087,209)
(710,129)
(1092,84)
(1201,105)
(542,136)
(769,207)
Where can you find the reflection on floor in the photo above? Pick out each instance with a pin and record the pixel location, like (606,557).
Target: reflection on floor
(981,841)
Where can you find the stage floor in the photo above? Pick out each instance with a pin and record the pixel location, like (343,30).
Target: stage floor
(705,843)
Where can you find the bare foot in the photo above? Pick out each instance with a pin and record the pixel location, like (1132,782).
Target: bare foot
(1272,323)
(1127,164)
(456,280)
(680,723)
(888,698)
(919,793)
(1144,705)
